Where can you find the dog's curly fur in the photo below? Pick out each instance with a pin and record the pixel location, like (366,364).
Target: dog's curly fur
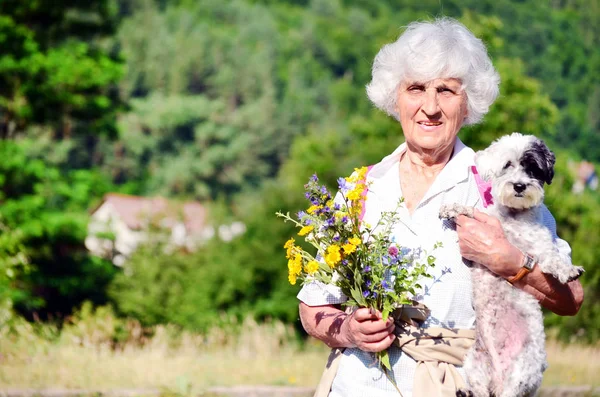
(508,357)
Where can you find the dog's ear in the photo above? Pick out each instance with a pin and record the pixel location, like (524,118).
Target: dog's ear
(544,158)
(484,160)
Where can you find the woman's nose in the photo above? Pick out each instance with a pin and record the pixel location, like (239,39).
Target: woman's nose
(431,105)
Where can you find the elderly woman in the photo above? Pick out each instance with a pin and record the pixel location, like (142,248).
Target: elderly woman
(434,79)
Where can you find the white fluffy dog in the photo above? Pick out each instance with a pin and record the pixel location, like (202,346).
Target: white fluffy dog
(508,357)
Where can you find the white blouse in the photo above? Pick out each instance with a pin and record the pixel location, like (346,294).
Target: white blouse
(448,294)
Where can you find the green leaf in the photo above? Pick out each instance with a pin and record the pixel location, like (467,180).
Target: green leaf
(384,359)
(357,295)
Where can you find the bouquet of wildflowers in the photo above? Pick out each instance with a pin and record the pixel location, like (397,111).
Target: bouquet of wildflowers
(362,259)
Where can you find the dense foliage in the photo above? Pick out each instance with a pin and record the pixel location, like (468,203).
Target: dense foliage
(238,103)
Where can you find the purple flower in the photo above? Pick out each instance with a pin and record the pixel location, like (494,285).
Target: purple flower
(393,250)
(314,178)
(323,190)
(366,294)
(366,269)
(336,207)
(336,237)
(368,283)
(345,219)
(307,195)
(308,222)
(386,285)
(301,214)
(343,185)
(314,200)
(344,262)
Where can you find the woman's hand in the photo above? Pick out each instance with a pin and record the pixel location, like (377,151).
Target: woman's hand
(366,330)
(481,239)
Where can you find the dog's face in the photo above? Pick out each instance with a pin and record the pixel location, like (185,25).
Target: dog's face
(518,166)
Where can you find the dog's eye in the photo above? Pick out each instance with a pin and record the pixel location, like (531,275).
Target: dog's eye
(507,165)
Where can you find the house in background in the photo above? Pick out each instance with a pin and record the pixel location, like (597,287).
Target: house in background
(121,222)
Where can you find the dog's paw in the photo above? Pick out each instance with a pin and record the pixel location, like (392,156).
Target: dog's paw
(570,274)
(575,273)
(447,211)
(464,393)
(452,211)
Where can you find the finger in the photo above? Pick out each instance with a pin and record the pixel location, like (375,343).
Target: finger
(482,216)
(465,221)
(380,345)
(364,314)
(375,337)
(374,326)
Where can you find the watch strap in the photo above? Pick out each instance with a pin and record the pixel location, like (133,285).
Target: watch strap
(526,267)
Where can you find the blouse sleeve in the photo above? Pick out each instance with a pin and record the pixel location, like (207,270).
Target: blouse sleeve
(563,247)
(317,293)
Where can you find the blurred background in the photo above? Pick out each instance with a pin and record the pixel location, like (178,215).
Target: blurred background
(145,146)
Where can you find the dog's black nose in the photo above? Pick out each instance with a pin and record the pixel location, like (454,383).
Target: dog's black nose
(519,187)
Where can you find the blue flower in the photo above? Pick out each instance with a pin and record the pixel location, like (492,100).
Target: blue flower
(301,214)
(366,294)
(336,207)
(314,178)
(345,219)
(324,190)
(367,269)
(368,283)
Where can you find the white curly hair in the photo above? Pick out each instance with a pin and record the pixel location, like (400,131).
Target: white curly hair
(444,48)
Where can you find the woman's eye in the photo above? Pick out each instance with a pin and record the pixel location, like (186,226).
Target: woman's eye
(415,88)
(507,165)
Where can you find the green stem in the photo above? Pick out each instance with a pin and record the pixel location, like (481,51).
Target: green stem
(385,371)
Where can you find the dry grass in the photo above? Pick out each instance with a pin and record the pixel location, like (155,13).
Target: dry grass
(84,356)
(572,364)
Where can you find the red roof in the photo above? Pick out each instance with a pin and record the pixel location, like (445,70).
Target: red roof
(136,211)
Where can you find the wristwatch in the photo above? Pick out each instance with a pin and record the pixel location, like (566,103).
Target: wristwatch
(528,263)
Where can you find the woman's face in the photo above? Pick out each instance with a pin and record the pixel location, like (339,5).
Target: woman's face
(431,113)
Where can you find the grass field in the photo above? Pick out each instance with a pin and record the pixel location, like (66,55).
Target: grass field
(84,355)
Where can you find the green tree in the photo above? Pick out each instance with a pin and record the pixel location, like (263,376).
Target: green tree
(54,71)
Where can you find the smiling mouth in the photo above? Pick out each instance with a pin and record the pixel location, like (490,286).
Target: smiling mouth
(430,123)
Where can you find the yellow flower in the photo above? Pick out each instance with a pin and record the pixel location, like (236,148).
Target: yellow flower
(292,279)
(354,195)
(313,208)
(290,248)
(356,208)
(354,240)
(311,267)
(358,175)
(305,230)
(295,264)
(349,248)
(333,255)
